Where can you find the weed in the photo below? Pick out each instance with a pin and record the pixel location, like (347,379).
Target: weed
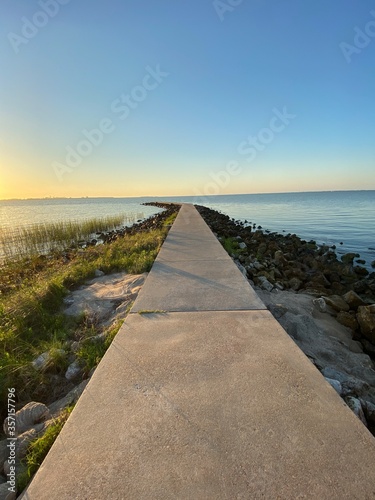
(92,351)
(231,245)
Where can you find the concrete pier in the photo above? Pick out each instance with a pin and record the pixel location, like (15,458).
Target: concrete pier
(202,395)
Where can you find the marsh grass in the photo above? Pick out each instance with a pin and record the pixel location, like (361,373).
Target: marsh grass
(41,238)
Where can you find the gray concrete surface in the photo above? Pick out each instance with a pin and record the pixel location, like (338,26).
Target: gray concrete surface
(207,405)
(193,272)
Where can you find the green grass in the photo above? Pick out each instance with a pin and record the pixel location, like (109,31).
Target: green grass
(38,449)
(231,245)
(91,352)
(31,299)
(170,220)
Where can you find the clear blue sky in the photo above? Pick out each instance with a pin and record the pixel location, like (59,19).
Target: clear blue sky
(224,74)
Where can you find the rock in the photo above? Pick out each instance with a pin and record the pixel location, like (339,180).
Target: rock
(72,397)
(279,258)
(4,452)
(361,271)
(295,283)
(25,438)
(366,320)
(5,494)
(355,405)
(335,384)
(373,263)
(347,320)
(264,283)
(26,417)
(337,303)
(334,374)
(320,304)
(99,273)
(349,257)
(45,360)
(41,362)
(277,310)
(20,467)
(321,280)
(370,348)
(242,245)
(75,346)
(241,268)
(369,411)
(354,387)
(258,266)
(73,371)
(353,300)
(355,346)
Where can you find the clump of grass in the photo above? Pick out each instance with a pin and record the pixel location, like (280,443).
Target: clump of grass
(29,241)
(231,245)
(170,220)
(91,352)
(38,449)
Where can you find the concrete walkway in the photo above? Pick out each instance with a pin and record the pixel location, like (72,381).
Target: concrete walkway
(202,395)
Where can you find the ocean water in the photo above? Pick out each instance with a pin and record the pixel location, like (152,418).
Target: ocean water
(342,218)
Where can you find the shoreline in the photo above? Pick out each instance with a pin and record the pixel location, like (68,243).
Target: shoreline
(59,315)
(326,306)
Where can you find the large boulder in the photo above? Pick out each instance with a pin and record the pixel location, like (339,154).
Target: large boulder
(347,320)
(355,405)
(27,417)
(366,320)
(337,303)
(353,299)
(349,257)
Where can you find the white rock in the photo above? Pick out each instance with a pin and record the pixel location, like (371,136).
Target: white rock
(335,384)
(41,361)
(241,268)
(24,439)
(73,371)
(72,397)
(355,405)
(98,273)
(320,304)
(265,284)
(242,245)
(27,416)
(5,494)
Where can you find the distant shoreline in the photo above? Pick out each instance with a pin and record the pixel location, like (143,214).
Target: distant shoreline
(181,196)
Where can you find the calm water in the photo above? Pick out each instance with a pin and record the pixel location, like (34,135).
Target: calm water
(327,217)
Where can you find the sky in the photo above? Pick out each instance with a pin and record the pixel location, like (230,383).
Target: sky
(175,97)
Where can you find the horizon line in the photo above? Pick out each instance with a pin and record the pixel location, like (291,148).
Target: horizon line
(180,196)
